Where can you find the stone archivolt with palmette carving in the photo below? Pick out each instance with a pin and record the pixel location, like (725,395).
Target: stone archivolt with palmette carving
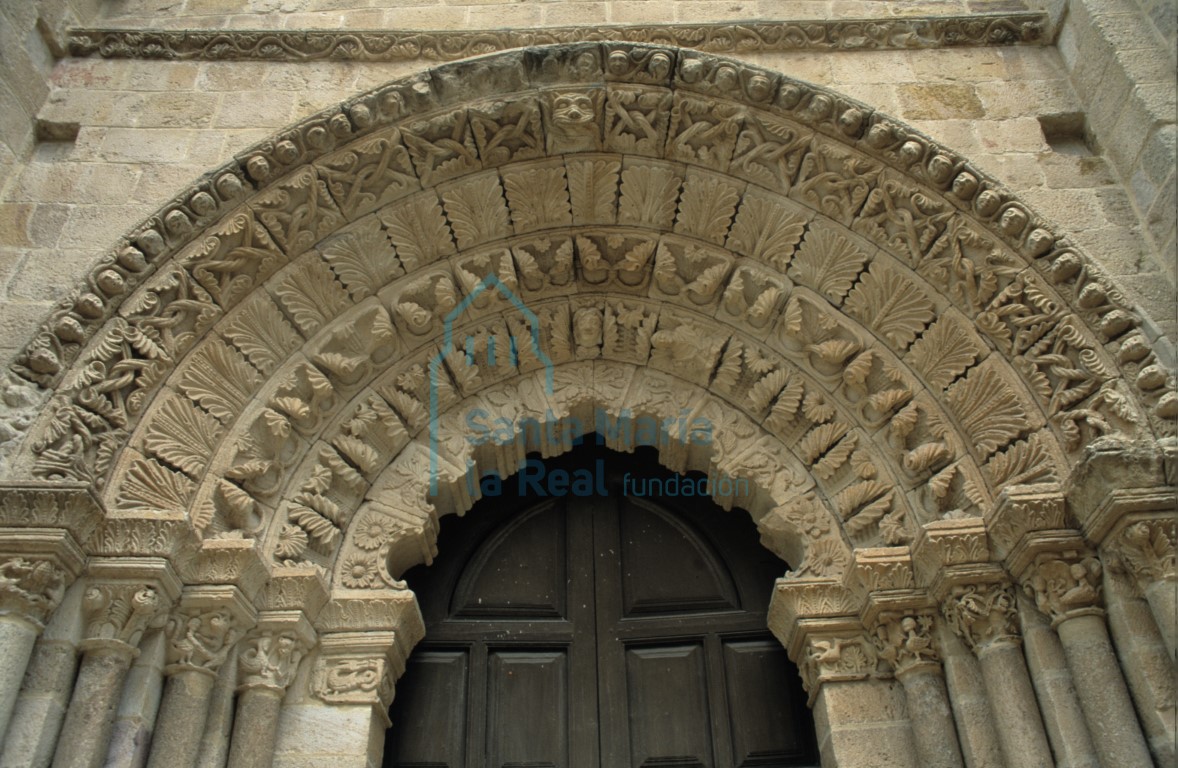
(751,242)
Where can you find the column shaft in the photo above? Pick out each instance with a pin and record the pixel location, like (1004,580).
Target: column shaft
(1103,696)
(971,709)
(931,718)
(183,713)
(1062,716)
(214,748)
(17,638)
(85,736)
(255,728)
(1162,596)
(1012,702)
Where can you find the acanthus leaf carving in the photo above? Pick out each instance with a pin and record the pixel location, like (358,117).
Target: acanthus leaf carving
(219,380)
(182,435)
(418,229)
(988,409)
(538,198)
(262,333)
(593,189)
(891,305)
(650,193)
(827,262)
(362,258)
(151,486)
(766,230)
(476,209)
(707,206)
(311,295)
(945,351)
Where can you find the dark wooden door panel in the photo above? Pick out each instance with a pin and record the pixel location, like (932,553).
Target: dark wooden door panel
(655,543)
(519,572)
(760,709)
(527,709)
(668,718)
(598,633)
(435,735)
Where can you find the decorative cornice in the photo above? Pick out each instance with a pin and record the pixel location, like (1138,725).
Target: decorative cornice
(384,45)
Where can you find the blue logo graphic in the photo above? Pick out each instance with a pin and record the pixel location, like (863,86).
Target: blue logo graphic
(490,282)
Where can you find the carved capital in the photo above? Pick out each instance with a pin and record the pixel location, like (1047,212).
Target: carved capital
(905,640)
(36,567)
(830,657)
(1065,585)
(984,615)
(31,587)
(204,628)
(358,668)
(1146,549)
(120,612)
(269,656)
(124,597)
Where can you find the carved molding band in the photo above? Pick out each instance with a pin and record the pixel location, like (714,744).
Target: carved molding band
(383,46)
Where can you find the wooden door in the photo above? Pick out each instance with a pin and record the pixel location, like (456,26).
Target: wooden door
(602,631)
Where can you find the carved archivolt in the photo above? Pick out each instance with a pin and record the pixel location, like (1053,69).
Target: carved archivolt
(877,335)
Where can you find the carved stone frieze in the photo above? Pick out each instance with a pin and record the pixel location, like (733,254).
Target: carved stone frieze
(381,45)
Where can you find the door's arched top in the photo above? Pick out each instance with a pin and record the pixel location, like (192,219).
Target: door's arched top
(889,323)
